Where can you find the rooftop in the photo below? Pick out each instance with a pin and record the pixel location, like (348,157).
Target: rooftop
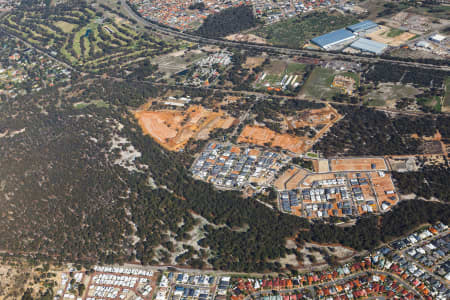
(333,37)
(369,46)
(361,26)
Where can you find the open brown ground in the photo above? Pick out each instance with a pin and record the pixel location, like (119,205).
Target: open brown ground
(314,117)
(172,129)
(254,61)
(358,164)
(381,36)
(249,38)
(296,179)
(281,181)
(263,136)
(381,185)
(323,166)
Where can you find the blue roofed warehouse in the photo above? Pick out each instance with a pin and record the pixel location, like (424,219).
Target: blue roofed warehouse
(333,38)
(362,26)
(370,46)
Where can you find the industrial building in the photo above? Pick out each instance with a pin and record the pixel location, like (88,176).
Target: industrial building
(366,45)
(362,26)
(437,38)
(333,38)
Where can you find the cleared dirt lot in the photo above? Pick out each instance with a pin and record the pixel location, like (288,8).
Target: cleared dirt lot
(296,179)
(248,38)
(358,164)
(262,136)
(281,181)
(172,129)
(387,36)
(384,189)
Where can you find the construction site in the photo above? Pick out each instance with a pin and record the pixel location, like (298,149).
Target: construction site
(315,123)
(338,188)
(391,36)
(172,129)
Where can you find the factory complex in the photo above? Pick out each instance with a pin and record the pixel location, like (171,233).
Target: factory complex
(353,37)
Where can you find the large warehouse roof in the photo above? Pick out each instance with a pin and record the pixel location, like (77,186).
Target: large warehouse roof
(332,38)
(369,46)
(365,25)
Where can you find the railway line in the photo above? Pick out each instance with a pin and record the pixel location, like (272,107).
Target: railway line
(280,50)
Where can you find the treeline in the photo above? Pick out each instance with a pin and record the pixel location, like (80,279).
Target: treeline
(365,131)
(369,232)
(271,109)
(79,205)
(428,182)
(228,21)
(387,72)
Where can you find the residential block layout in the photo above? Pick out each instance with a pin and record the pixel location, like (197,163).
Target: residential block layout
(272,10)
(397,270)
(106,282)
(181,14)
(234,167)
(347,187)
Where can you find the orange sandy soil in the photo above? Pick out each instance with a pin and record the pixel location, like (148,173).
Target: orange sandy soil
(314,117)
(281,181)
(172,129)
(260,135)
(381,185)
(294,181)
(357,164)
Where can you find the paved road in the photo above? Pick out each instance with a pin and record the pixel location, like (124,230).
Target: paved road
(280,50)
(248,93)
(340,281)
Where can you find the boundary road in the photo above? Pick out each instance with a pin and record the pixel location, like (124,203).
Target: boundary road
(198,39)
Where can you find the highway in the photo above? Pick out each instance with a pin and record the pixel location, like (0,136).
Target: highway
(326,55)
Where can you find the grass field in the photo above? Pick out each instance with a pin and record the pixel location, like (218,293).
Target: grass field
(82,39)
(97,103)
(390,93)
(65,26)
(431,102)
(295,32)
(394,32)
(447,93)
(318,85)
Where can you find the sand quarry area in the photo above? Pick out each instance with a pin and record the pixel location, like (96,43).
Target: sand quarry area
(173,128)
(382,36)
(262,136)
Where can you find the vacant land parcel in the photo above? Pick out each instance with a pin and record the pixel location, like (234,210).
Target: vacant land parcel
(391,36)
(319,84)
(172,129)
(262,136)
(358,164)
